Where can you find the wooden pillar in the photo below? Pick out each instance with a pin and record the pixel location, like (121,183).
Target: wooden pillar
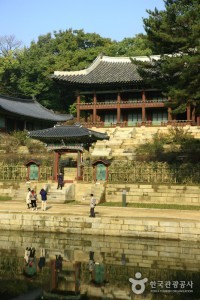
(118,108)
(188,112)
(169,111)
(94,108)
(143,107)
(78,101)
(56,165)
(193,114)
(78,164)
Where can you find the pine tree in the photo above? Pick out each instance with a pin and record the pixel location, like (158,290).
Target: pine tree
(174,33)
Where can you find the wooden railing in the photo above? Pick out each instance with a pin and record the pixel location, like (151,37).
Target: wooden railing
(17,172)
(149,174)
(102,124)
(107,102)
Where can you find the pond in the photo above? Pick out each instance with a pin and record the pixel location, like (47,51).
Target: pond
(96,267)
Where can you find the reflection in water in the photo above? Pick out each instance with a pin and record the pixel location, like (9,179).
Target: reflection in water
(91,267)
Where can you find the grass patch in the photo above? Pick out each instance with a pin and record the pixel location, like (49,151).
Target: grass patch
(5,198)
(152,205)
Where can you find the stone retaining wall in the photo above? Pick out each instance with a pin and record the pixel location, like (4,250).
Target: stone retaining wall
(154,193)
(159,228)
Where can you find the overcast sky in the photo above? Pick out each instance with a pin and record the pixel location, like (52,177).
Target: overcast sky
(115,19)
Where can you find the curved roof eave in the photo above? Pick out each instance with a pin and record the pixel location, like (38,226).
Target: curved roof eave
(105,70)
(30,108)
(67,132)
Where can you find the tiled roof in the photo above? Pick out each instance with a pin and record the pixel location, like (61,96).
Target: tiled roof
(30,108)
(104,69)
(69,132)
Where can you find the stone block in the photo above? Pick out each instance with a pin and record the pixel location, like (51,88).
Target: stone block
(133,221)
(116,221)
(137,228)
(168,224)
(191,230)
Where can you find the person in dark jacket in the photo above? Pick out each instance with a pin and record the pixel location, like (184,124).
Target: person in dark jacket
(60,181)
(43,194)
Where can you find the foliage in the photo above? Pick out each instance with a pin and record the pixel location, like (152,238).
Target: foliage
(11,142)
(177,145)
(152,205)
(9,74)
(5,198)
(27,73)
(35,146)
(174,33)
(20,136)
(8,143)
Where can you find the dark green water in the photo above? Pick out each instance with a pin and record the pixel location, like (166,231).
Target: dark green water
(96,267)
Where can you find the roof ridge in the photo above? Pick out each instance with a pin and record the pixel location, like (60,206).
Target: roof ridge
(81,72)
(104,58)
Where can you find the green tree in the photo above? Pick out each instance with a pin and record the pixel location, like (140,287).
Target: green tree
(138,45)
(27,73)
(9,74)
(174,34)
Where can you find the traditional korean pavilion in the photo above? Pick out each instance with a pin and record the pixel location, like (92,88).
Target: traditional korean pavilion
(68,138)
(111,92)
(20,114)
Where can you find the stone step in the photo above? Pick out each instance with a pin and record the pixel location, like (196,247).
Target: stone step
(101,152)
(53,195)
(83,192)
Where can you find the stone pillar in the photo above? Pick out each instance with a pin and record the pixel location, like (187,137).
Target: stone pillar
(78,101)
(118,108)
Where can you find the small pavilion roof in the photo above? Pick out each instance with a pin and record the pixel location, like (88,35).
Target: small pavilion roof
(105,70)
(30,108)
(68,133)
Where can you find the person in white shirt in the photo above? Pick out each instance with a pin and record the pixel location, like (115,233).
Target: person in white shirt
(28,198)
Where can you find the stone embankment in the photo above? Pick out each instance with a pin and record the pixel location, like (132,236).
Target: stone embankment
(109,221)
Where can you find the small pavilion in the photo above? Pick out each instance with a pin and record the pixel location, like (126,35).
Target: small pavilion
(67,139)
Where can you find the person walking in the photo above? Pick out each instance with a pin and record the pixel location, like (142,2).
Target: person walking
(60,181)
(28,198)
(92,206)
(43,194)
(33,200)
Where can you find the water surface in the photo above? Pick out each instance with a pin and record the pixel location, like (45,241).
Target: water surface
(97,267)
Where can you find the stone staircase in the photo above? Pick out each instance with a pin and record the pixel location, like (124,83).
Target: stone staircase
(60,196)
(53,196)
(83,191)
(119,144)
(123,141)
(70,192)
